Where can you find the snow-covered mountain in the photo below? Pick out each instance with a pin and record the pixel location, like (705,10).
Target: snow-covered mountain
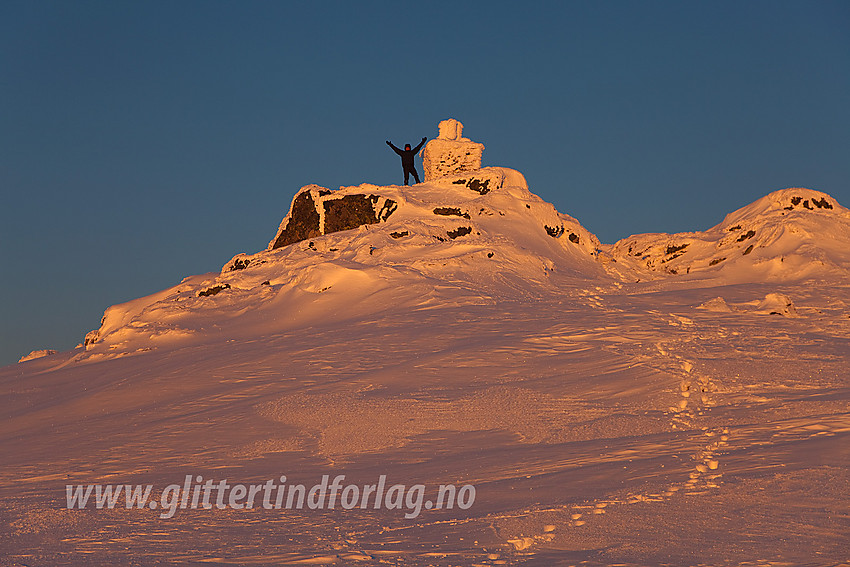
(670,399)
(788,235)
(482,233)
(362,248)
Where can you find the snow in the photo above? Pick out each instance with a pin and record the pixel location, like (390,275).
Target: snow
(631,403)
(789,234)
(38,353)
(450,129)
(450,153)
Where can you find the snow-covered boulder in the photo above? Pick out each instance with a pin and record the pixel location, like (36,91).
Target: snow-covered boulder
(777,304)
(772,304)
(450,152)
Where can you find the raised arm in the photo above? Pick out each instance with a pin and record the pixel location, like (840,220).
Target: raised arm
(416,149)
(395,149)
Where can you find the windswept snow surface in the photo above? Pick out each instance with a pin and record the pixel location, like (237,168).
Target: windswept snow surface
(607,410)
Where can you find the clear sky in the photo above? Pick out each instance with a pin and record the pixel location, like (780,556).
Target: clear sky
(144,142)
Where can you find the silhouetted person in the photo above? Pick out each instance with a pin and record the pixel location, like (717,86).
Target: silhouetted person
(407,156)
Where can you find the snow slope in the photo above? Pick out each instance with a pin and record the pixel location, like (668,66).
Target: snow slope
(481,234)
(609,404)
(791,234)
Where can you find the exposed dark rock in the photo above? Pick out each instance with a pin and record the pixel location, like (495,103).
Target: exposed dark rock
(303,222)
(400,234)
(674,249)
(213,290)
(267,282)
(92,336)
(450,211)
(389,208)
(716,261)
(574,238)
(746,235)
(736,227)
(349,212)
(459,231)
(821,203)
(748,250)
(344,213)
(240,264)
(489,254)
(673,257)
(553,231)
(477,185)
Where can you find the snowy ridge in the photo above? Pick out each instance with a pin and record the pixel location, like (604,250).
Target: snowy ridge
(787,235)
(470,237)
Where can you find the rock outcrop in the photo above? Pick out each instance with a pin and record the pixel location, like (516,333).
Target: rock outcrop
(450,152)
(316,211)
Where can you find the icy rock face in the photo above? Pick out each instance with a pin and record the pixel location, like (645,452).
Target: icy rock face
(450,152)
(316,211)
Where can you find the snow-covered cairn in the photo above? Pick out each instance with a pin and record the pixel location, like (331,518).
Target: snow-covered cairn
(450,153)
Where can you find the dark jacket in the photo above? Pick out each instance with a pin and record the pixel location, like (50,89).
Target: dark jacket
(407,155)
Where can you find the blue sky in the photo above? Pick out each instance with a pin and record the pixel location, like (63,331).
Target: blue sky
(144,142)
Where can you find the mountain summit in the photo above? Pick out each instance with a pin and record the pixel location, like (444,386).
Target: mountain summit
(458,333)
(467,234)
